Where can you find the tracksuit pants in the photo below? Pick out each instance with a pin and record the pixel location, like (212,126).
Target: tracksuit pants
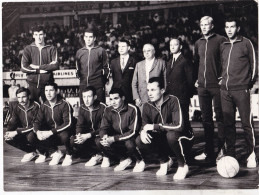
(206,97)
(239,99)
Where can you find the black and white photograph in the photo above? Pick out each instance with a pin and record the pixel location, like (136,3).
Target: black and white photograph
(130,96)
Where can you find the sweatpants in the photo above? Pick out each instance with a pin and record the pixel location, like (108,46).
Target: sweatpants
(239,99)
(120,150)
(206,97)
(100,92)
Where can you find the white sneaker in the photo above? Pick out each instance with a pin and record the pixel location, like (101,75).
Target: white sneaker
(251,161)
(123,165)
(56,156)
(67,161)
(200,157)
(28,157)
(106,162)
(40,159)
(164,167)
(139,167)
(181,172)
(96,159)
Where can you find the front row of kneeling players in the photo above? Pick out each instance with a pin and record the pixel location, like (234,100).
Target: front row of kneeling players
(104,132)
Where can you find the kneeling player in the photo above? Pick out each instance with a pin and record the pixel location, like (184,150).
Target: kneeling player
(53,125)
(162,129)
(87,127)
(119,127)
(20,127)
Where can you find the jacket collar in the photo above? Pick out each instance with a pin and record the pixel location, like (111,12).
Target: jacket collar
(59,101)
(212,35)
(165,99)
(96,106)
(94,47)
(31,105)
(34,45)
(238,39)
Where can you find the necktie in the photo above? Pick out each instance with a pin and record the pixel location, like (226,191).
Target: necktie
(173,63)
(122,64)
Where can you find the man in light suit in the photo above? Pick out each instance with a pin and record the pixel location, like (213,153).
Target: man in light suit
(122,69)
(148,68)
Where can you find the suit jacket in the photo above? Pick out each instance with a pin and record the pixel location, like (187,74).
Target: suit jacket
(179,78)
(123,79)
(139,83)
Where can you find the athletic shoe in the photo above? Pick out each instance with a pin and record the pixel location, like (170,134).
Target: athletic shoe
(164,167)
(56,156)
(201,156)
(123,165)
(40,159)
(96,159)
(106,162)
(139,167)
(251,161)
(28,157)
(67,161)
(181,172)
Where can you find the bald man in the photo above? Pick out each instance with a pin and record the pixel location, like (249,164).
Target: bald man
(148,68)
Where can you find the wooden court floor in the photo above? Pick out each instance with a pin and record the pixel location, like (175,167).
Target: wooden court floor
(42,177)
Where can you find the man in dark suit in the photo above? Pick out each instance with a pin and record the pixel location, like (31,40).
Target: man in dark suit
(122,69)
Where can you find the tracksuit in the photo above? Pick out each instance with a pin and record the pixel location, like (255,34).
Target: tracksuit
(93,70)
(123,124)
(47,59)
(238,76)
(22,122)
(169,134)
(207,58)
(58,119)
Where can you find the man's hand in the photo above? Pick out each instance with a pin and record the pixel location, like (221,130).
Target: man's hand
(42,135)
(10,135)
(107,140)
(39,135)
(196,84)
(148,127)
(138,102)
(34,66)
(43,71)
(81,138)
(145,137)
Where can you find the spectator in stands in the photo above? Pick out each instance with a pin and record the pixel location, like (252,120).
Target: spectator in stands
(53,126)
(39,61)
(209,68)
(122,69)
(119,128)
(12,96)
(88,126)
(148,68)
(20,127)
(92,66)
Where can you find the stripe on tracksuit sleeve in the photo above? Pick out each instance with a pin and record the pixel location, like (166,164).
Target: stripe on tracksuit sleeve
(70,119)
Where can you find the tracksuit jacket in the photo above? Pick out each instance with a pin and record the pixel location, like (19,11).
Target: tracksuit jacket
(89,121)
(239,64)
(169,118)
(46,58)
(92,66)
(56,119)
(123,124)
(22,119)
(207,58)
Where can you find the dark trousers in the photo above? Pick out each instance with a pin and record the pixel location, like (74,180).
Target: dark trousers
(120,150)
(185,112)
(51,144)
(163,144)
(231,100)
(26,142)
(206,96)
(100,92)
(36,93)
(88,148)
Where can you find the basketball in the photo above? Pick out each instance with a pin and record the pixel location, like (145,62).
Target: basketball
(227,167)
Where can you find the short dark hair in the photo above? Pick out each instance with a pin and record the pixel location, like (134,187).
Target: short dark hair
(117,90)
(125,41)
(179,39)
(89,88)
(158,80)
(23,89)
(233,19)
(51,84)
(90,30)
(38,28)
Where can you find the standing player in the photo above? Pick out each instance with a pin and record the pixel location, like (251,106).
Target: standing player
(39,61)
(162,130)
(238,77)
(207,58)
(53,126)
(92,66)
(20,127)
(88,125)
(122,69)
(119,127)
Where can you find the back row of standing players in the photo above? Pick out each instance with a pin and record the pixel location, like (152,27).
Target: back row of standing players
(226,72)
